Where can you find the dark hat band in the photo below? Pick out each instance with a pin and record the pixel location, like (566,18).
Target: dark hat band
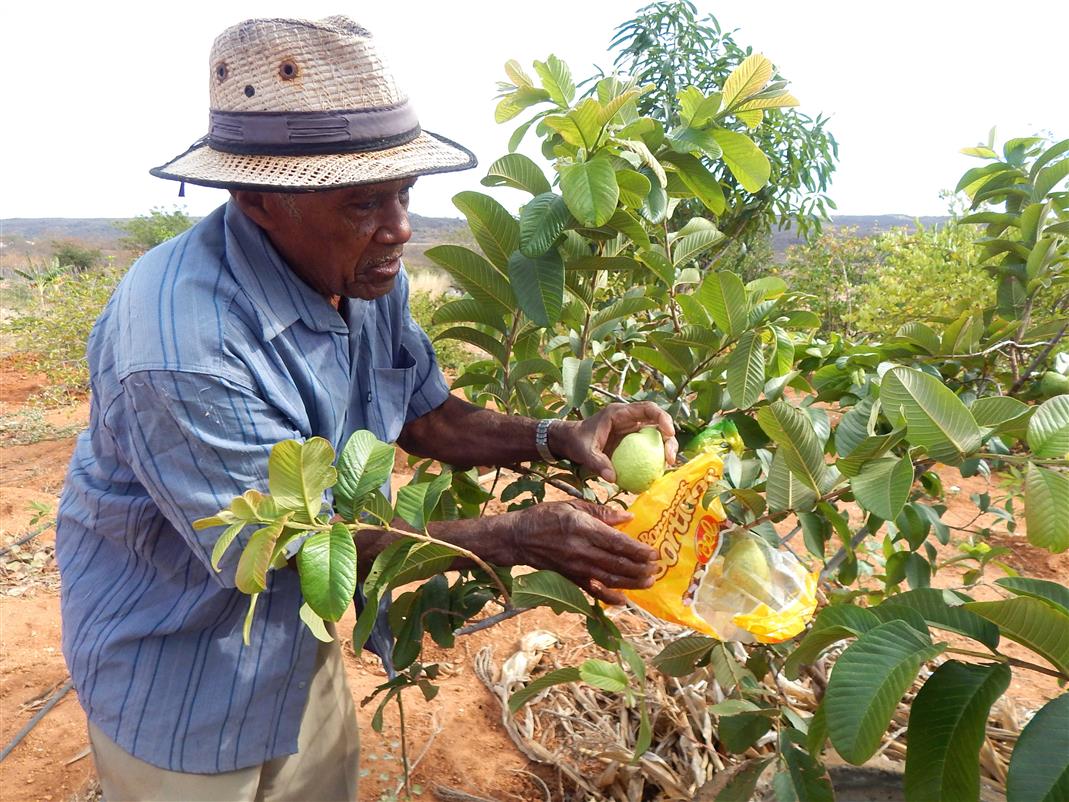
(301,133)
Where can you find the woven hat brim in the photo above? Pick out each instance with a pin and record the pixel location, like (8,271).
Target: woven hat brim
(425,155)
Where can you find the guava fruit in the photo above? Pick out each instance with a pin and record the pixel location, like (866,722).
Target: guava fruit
(1053,384)
(639,459)
(746,570)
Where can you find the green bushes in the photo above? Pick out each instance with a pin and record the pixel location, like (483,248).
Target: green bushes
(925,274)
(453,356)
(53,329)
(871,285)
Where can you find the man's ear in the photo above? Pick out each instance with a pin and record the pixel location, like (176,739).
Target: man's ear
(256,207)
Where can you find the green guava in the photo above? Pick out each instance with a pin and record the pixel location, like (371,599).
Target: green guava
(1053,384)
(746,569)
(639,459)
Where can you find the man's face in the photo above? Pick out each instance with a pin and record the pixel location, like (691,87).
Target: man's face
(342,241)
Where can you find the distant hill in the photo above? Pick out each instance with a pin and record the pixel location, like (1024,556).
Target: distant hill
(23,238)
(865,225)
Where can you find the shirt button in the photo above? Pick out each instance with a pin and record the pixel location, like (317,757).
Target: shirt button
(302,685)
(369,396)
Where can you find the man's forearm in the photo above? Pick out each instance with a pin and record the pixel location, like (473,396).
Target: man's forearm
(462,434)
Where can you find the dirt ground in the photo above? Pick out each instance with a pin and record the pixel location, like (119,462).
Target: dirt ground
(457,737)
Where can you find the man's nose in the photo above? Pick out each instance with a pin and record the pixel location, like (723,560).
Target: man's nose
(394,227)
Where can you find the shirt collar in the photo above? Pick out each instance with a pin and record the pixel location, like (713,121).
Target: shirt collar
(281,298)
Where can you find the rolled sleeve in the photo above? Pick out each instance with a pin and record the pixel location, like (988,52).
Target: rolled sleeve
(195,441)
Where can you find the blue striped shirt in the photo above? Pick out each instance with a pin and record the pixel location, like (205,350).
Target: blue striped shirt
(210,351)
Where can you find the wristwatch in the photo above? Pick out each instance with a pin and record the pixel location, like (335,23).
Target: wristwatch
(542,440)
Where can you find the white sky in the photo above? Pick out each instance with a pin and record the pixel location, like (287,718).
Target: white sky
(96,93)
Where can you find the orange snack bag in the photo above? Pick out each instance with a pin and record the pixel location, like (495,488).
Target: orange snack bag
(732,586)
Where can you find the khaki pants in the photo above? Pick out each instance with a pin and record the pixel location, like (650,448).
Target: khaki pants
(325,768)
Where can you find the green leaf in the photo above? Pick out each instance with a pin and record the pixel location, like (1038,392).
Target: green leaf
(747,163)
(809,779)
(1039,767)
(542,221)
(475,275)
(468,310)
(556,79)
(853,428)
(687,248)
(746,371)
(1033,623)
(515,102)
(1046,499)
(251,576)
(681,657)
(634,187)
(869,449)
(1050,177)
(590,191)
(724,297)
(550,589)
(246,627)
(1048,428)
(603,674)
(785,492)
(659,265)
(920,334)
(743,782)
(882,487)
(327,565)
(869,679)
(1042,589)
(935,418)
(695,108)
(365,464)
(539,286)
(684,139)
(739,732)
(996,410)
(496,231)
(298,474)
(936,612)
(416,500)
(832,625)
(224,541)
(698,180)
(575,377)
(376,505)
(532,689)
(517,171)
(747,79)
(947,723)
(314,624)
(793,432)
(423,561)
(480,339)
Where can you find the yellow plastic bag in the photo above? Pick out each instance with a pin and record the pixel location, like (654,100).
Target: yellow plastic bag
(730,586)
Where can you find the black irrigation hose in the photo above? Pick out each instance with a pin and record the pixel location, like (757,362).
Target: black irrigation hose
(27,537)
(59,694)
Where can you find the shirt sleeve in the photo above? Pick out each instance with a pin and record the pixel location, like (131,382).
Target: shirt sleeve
(194,441)
(430,389)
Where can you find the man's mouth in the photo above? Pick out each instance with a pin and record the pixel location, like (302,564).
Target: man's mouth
(383,270)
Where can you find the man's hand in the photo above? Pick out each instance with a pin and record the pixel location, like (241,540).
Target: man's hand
(577,539)
(590,442)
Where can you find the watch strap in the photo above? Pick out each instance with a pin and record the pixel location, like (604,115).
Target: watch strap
(542,440)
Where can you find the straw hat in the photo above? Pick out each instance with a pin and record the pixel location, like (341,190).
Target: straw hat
(301,105)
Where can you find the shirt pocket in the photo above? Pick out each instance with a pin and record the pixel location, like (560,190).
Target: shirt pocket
(391,393)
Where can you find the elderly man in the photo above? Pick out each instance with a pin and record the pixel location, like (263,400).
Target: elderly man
(283,314)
